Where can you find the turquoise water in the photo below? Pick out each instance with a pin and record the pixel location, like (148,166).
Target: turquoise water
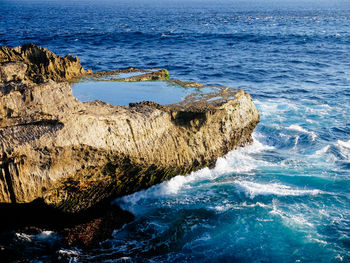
(122,93)
(285,198)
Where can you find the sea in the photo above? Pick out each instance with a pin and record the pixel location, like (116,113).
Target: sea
(284,198)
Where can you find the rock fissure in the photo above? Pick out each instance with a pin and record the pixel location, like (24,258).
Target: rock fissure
(8,180)
(132,134)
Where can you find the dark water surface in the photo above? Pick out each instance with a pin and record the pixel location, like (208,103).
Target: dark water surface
(286,198)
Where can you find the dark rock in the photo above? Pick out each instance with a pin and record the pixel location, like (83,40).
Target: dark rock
(84,229)
(89,234)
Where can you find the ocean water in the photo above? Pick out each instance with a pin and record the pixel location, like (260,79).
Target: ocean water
(285,198)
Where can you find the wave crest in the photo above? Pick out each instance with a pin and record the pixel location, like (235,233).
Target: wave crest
(252,189)
(237,161)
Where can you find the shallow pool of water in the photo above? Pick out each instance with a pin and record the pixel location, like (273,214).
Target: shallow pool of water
(122,93)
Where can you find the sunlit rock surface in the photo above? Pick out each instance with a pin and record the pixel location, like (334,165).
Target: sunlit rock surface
(74,155)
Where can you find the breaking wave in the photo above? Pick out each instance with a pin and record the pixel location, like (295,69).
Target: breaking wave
(235,162)
(253,189)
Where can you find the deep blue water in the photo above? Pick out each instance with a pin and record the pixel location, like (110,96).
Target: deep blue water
(286,198)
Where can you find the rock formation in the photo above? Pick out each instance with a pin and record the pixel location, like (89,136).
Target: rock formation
(43,64)
(74,155)
(144,75)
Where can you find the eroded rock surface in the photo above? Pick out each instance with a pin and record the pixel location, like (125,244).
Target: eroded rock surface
(74,155)
(143,75)
(43,64)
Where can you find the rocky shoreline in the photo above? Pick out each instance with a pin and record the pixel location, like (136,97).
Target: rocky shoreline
(73,158)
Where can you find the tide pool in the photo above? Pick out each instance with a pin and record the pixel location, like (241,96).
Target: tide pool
(122,93)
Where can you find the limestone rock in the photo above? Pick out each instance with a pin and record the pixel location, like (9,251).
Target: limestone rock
(74,155)
(12,71)
(43,64)
(144,75)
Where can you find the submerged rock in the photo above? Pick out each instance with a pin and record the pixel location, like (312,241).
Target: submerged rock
(90,233)
(75,155)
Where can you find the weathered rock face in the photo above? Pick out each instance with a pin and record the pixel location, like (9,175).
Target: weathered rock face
(43,64)
(12,71)
(74,154)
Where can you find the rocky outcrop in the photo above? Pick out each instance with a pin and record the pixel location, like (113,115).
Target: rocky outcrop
(62,161)
(43,64)
(143,75)
(74,155)
(187,84)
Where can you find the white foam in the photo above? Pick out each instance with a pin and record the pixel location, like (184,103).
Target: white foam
(339,257)
(323,150)
(345,144)
(270,107)
(237,161)
(253,189)
(267,108)
(204,237)
(296,141)
(226,207)
(284,135)
(24,237)
(45,235)
(344,148)
(69,252)
(296,127)
(169,187)
(290,219)
(324,243)
(222,208)
(313,136)
(257,204)
(299,220)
